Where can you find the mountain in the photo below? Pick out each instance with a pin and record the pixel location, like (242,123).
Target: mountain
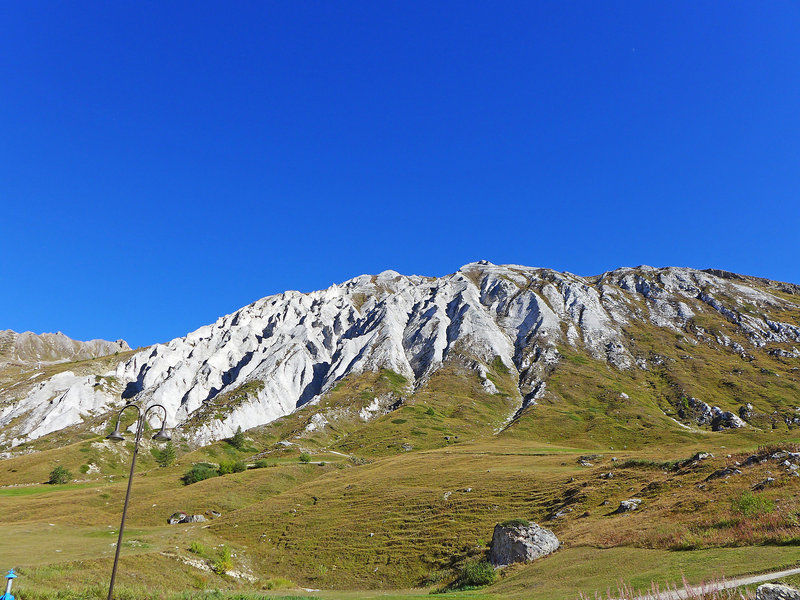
(29,347)
(647,416)
(291,350)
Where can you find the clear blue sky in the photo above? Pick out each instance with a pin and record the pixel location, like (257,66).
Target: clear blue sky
(162,164)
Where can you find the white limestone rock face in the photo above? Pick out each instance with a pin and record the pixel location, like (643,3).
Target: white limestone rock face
(56,403)
(521,542)
(296,346)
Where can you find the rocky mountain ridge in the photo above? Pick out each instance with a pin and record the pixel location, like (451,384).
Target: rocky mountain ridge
(288,350)
(28,347)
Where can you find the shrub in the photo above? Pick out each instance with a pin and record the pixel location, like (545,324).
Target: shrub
(263,463)
(199,472)
(59,475)
(305,457)
(84,469)
(429,411)
(277,583)
(476,573)
(238,440)
(164,456)
(198,548)
(750,504)
(232,466)
(224,561)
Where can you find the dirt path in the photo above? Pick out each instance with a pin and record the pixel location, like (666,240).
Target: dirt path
(727,584)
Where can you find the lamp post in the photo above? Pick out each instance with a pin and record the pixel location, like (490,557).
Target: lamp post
(116,436)
(10,577)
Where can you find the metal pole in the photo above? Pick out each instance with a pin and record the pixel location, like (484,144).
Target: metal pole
(125,508)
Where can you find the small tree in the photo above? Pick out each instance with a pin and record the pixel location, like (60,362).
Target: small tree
(166,455)
(238,440)
(305,457)
(59,475)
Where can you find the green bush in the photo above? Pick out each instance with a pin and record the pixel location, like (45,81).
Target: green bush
(429,411)
(199,472)
(751,505)
(476,573)
(224,561)
(59,475)
(198,548)
(263,463)
(305,457)
(232,466)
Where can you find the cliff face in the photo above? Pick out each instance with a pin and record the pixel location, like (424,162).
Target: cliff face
(288,350)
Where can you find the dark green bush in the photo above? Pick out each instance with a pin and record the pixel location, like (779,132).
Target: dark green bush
(305,457)
(60,475)
(199,472)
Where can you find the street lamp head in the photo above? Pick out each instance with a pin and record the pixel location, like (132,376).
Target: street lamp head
(115,436)
(163,435)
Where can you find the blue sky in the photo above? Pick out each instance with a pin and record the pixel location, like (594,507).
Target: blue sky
(162,164)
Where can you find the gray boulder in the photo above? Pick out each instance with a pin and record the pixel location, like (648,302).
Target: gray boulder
(775,591)
(194,519)
(628,505)
(521,541)
(176,518)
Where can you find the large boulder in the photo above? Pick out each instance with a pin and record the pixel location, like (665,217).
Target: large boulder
(775,591)
(520,541)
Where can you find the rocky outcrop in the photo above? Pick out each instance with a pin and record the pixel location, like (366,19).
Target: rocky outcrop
(718,419)
(287,350)
(776,591)
(520,541)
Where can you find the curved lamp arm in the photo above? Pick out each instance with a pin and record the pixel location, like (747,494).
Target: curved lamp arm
(116,435)
(163,435)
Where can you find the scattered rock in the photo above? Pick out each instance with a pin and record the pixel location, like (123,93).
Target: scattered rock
(561,513)
(628,505)
(521,543)
(723,473)
(776,591)
(701,456)
(608,475)
(406,447)
(764,484)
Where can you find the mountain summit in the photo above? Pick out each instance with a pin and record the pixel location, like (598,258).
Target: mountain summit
(289,350)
